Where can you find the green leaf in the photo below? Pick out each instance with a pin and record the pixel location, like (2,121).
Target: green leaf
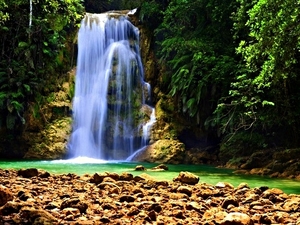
(267,103)
(27,87)
(18,106)
(23,44)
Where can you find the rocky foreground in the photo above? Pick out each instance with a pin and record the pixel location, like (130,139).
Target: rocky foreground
(36,197)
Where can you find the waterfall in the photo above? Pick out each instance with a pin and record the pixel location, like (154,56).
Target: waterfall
(30,13)
(108,117)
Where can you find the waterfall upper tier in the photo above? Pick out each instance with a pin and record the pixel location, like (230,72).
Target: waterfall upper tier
(110,90)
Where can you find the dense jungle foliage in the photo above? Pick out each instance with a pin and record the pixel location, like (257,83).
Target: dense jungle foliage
(34,52)
(233,66)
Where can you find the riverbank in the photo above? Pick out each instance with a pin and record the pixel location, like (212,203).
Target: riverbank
(34,196)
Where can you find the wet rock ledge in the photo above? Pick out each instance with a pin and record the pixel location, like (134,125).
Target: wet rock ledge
(33,196)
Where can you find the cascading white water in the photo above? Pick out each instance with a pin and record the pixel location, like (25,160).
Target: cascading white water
(147,127)
(109,90)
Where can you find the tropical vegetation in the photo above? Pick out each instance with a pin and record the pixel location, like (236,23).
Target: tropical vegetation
(233,66)
(34,41)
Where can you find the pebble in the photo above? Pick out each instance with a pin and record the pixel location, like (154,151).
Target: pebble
(109,198)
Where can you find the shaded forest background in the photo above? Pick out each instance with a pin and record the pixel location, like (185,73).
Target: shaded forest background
(230,66)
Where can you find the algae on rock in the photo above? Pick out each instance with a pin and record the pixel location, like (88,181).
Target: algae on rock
(50,143)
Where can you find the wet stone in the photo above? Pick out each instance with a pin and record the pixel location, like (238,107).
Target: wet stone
(127,198)
(28,173)
(187,178)
(140,168)
(5,195)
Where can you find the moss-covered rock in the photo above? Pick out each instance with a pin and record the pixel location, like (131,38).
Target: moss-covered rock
(51,142)
(271,162)
(48,121)
(163,151)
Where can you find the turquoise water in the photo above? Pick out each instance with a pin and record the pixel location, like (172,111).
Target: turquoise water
(207,174)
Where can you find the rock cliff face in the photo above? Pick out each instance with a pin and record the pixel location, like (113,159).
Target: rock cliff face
(48,129)
(48,124)
(271,162)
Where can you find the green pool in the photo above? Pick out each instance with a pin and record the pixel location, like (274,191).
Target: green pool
(207,174)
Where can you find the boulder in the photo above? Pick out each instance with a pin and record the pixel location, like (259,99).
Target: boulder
(214,215)
(185,189)
(96,178)
(144,176)
(237,218)
(243,185)
(127,198)
(74,203)
(44,174)
(139,168)
(27,173)
(126,176)
(5,195)
(292,204)
(163,151)
(37,216)
(230,201)
(161,167)
(187,178)
(224,185)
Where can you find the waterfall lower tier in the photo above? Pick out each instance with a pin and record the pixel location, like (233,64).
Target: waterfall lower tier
(110,96)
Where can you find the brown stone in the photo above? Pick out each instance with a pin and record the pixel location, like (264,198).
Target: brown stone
(27,173)
(96,178)
(237,219)
(71,211)
(145,177)
(126,176)
(292,204)
(139,168)
(161,167)
(194,206)
(224,185)
(44,174)
(127,198)
(74,203)
(152,215)
(114,176)
(5,195)
(37,216)
(187,178)
(185,189)
(133,211)
(230,201)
